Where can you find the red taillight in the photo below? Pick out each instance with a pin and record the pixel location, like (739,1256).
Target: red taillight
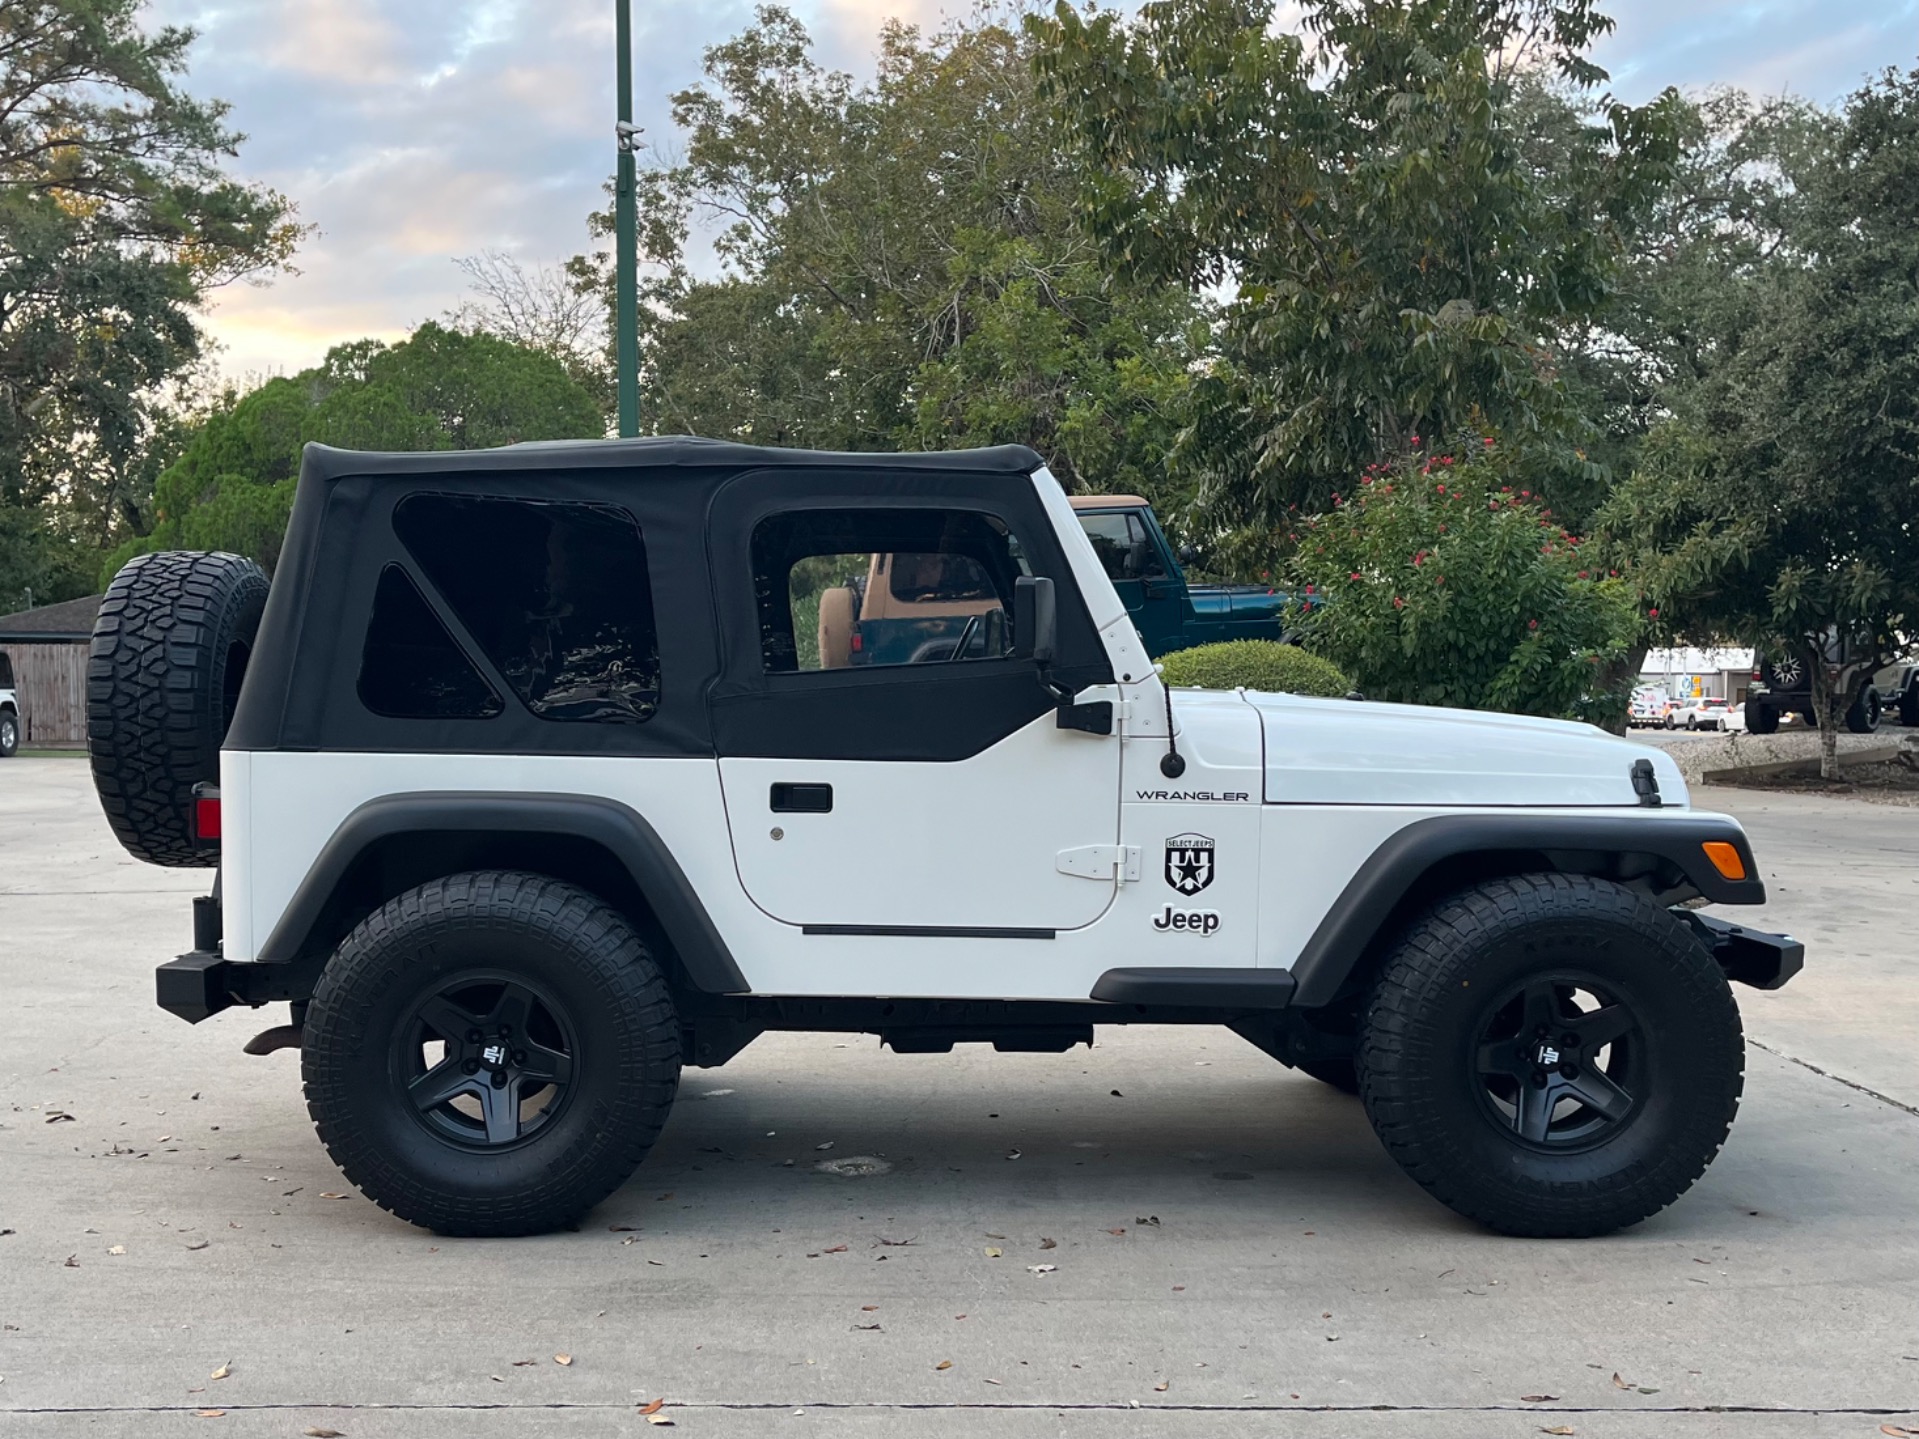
(206,818)
(858,643)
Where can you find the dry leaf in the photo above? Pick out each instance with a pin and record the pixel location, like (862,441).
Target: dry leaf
(1162,1386)
(328,1194)
(1619,1383)
(993,1252)
(655,1407)
(210,1414)
(198,1244)
(563,1360)
(1537,1398)
(1560,1429)
(225,1371)
(868,1308)
(318,1433)
(869,1328)
(622,1228)
(1049,1244)
(116,1249)
(1012,1154)
(1116,1231)
(661,1420)
(73,1261)
(524,1363)
(822,1148)
(836,1249)
(944,1364)
(1899,1431)
(1041,1268)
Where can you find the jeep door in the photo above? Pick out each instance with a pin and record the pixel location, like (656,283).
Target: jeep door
(920,790)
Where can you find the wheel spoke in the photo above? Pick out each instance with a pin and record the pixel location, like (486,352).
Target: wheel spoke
(1602,1027)
(1596,1090)
(447,1019)
(515,1005)
(446,1080)
(546,1066)
(1540,1010)
(1532,1111)
(500,1104)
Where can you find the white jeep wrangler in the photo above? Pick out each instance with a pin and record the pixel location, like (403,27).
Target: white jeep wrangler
(527,789)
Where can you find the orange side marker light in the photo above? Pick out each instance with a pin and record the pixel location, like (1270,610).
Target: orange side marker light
(1725,858)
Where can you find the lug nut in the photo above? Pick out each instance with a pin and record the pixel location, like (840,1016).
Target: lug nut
(1569,1070)
(499,1080)
(1569,1040)
(519,1056)
(473,1036)
(472,1066)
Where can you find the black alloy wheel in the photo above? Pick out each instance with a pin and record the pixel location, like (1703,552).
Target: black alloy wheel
(485,1059)
(1554,1073)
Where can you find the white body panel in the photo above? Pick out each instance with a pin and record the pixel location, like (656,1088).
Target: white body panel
(970,843)
(1351,752)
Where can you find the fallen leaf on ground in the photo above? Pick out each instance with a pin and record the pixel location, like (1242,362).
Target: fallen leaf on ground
(1537,1398)
(822,1148)
(225,1371)
(1049,1244)
(524,1363)
(318,1433)
(886,1243)
(1116,1231)
(993,1252)
(867,1327)
(621,1228)
(1012,1154)
(991,1235)
(660,1420)
(1162,1386)
(1899,1431)
(73,1261)
(328,1194)
(836,1249)
(116,1249)
(198,1244)
(868,1308)
(1560,1429)
(57,1117)
(989,1381)
(655,1407)
(563,1360)
(1042,1268)
(209,1414)
(1152,1219)
(1619,1383)
(944,1364)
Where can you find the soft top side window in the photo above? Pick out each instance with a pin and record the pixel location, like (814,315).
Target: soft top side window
(840,589)
(556,595)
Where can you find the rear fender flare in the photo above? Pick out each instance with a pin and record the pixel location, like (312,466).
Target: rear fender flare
(1638,846)
(614,827)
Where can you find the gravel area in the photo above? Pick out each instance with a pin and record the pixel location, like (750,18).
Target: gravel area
(1707,750)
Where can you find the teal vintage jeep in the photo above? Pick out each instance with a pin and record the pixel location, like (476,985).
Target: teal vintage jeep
(904,607)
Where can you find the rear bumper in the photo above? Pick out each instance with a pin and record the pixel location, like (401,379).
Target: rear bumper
(1749,956)
(199,985)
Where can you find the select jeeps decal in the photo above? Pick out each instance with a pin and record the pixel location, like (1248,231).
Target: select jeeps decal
(1203,922)
(1193,796)
(1189,862)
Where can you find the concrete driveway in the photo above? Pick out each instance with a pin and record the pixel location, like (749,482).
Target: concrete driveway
(1232,1252)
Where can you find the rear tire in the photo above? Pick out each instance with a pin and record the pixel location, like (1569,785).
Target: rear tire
(170,650)
(1497,1088)
(9,734)
(491,1054)
(1865,714)
(1909,708)
(1762,719)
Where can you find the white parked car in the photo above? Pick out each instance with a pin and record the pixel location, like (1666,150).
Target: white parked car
(533,796)
(9,710)
(1703,713)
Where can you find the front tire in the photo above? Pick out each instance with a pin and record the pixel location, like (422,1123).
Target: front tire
(1552,1055)
(9,734)
(1762,719)
(491,1054)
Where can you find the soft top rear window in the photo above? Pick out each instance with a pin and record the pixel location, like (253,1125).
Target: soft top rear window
(556,595)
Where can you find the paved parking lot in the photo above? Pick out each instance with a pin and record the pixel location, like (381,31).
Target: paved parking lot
(1231,1253)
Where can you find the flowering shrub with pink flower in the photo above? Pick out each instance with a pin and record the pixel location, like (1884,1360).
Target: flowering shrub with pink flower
(1444,580)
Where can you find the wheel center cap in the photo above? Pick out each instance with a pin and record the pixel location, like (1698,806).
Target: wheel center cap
(1546,1055)
(494,1054)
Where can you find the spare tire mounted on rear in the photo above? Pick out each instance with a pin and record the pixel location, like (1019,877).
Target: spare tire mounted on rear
(170,650)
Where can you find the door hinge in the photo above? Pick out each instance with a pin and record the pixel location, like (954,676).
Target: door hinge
(1101,861)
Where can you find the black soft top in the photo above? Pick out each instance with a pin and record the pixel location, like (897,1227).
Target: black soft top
(722,458)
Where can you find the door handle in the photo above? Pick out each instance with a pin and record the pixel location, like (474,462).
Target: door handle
(802,799)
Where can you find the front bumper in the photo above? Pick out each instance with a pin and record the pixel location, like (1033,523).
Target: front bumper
(1749,956)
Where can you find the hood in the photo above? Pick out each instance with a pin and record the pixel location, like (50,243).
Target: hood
(1358,752)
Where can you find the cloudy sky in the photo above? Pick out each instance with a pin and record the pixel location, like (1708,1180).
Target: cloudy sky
(415,131)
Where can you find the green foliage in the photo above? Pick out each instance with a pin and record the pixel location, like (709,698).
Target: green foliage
(1406,247)
(1255,665)
(1779,503)
(902,265)
(1442,579)
(232,487)
(116,221)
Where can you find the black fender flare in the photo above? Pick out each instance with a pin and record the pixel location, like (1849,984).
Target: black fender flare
(1566,842)
(614,826)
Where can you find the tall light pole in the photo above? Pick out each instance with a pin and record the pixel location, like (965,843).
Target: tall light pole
(626,281)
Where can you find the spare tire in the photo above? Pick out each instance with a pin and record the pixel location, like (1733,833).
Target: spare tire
(170,649)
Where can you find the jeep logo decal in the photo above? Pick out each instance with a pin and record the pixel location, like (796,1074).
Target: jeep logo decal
(1189,862)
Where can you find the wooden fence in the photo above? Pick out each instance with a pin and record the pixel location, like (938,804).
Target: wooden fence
(51,680)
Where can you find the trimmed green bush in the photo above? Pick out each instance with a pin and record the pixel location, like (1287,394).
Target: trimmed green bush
(1256,665)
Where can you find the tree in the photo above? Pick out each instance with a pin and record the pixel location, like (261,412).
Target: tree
(115,222)
(1779,503)
(544,308)
(232,487)
(901,266)
(1402,251)
(1442,579)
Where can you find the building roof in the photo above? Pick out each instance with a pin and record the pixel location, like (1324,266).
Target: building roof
(67,621)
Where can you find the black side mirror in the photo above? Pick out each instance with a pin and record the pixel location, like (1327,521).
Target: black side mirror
(1035,619)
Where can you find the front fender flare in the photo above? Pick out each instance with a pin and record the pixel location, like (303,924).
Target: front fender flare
(1397,867)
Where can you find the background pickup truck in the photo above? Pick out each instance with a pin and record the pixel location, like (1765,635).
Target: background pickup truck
(908,608)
